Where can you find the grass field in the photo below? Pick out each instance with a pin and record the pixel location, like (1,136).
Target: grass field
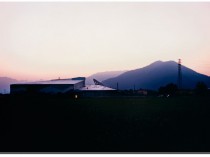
(123,124)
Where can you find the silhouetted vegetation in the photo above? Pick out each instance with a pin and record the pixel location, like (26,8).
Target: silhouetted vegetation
(113,124)
(170,89)
(201,88)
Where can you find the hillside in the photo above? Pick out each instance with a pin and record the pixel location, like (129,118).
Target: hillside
(155,75)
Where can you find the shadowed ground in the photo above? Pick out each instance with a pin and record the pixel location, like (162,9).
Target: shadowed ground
(59,123)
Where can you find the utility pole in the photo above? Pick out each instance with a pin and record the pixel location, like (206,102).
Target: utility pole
(179,81)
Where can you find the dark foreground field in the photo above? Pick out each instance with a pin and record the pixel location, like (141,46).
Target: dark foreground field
(61,124)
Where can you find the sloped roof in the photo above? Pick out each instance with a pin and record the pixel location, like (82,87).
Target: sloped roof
(95,87)
(57,81)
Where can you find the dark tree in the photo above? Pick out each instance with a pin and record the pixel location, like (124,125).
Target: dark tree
(201,88)
(168,89)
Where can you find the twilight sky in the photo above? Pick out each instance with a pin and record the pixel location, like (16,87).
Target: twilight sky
(68,39)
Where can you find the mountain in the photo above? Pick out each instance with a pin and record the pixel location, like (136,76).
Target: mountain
(5,84)
(155,75)
(101,76)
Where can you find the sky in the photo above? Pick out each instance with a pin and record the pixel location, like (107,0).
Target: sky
(46,40)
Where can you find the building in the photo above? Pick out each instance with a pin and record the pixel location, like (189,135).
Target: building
(96,91)
(51,86)
(142,92)
(72,85)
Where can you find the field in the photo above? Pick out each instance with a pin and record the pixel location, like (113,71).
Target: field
(112,124)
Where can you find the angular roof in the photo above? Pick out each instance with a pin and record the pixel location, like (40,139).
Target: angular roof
(95,87)
(57,81)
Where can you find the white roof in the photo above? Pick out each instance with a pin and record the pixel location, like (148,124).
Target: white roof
(58,81)
(95,87)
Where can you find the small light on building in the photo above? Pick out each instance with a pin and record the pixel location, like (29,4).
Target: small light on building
(76,96)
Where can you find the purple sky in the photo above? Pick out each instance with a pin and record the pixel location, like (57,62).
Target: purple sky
(51,40)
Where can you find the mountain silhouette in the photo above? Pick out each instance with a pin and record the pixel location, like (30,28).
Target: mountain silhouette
(5,84)
(101,76)
(155,75)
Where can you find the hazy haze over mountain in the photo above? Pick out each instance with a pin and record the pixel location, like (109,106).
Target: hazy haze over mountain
(5,84)
(101,76)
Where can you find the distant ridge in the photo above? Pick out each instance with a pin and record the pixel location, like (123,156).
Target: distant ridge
(101,76)
(5,84)
(155,75)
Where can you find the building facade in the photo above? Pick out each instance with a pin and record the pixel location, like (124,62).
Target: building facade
(51,86)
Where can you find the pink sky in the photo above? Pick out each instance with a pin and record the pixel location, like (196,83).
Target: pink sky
(69,39)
